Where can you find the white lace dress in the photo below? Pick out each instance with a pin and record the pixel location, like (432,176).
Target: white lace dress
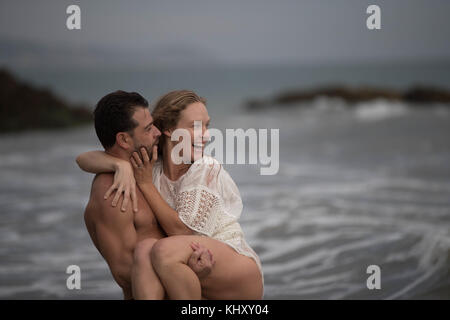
(207,201)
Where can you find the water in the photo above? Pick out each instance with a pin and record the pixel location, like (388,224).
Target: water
(356,187)
(353,192)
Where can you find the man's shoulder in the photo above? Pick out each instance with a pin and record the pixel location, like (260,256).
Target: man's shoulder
(99,207)
(103,180)
(100,184)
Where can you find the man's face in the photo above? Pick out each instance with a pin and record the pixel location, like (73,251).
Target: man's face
(145,134)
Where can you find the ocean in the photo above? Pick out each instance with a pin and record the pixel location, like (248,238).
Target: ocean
(361,186)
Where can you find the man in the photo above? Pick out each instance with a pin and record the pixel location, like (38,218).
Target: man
(123,125)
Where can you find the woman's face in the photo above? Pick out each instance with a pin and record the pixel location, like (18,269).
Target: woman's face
(195,114)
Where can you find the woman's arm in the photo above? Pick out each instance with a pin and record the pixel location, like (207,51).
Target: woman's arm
(166,216)
(98,162)
(124,182)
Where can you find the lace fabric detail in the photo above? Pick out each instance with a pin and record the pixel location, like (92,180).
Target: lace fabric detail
(199,209)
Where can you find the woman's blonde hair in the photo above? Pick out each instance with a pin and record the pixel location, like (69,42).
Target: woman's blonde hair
(167,111)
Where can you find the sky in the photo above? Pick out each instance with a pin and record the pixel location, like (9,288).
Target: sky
(229,32)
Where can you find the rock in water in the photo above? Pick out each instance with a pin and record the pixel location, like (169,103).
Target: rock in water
(416,96)
(23,107)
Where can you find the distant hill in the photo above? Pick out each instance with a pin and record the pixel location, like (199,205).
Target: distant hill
(416,96)
(23,107)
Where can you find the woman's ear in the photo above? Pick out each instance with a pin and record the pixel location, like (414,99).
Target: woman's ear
(168,133)
(123,140)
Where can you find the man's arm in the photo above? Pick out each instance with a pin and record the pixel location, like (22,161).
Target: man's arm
(115,234)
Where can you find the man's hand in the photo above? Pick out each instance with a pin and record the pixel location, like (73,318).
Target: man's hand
(201,260)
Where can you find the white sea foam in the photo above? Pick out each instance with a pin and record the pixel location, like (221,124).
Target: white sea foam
(380,109)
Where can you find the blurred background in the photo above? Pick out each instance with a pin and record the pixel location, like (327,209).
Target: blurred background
(364,125)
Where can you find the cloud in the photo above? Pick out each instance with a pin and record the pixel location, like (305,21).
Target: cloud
(251,31)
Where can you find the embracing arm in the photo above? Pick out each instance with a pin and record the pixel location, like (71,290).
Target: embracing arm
(166,216)
(124,182)
(98,162)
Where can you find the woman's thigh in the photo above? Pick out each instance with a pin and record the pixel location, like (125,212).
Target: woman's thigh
(234,276)
(142,250)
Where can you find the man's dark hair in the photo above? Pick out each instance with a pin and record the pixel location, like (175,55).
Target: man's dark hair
(114,113)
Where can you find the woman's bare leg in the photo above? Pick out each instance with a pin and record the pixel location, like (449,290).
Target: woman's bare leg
(234,276)
(180,282)
(145,282)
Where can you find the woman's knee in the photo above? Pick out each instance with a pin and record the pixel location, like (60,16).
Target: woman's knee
(142,250)
(166,251)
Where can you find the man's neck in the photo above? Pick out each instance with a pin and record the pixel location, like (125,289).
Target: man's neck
(118,153)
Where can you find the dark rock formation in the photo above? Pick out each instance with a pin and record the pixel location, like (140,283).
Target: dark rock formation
(426,95)
(23,107)
(415,95)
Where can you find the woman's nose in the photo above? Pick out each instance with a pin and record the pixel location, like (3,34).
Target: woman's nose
(206,135)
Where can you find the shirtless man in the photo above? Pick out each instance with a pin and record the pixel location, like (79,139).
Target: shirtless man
(123,124)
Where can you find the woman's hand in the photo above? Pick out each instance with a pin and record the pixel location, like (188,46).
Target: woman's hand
(143,166)
(124,183)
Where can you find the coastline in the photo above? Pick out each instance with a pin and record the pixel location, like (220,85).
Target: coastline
(415,96)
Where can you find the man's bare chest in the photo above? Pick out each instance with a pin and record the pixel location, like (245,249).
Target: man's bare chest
(145,222)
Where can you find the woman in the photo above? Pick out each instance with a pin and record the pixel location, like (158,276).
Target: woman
(194,203)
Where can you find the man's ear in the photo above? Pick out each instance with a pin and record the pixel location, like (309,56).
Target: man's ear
(123,139)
